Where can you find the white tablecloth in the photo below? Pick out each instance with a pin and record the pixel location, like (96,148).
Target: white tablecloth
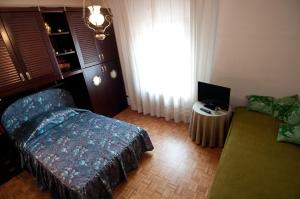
(209,129)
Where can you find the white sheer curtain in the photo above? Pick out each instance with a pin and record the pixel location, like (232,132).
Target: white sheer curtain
(165,47)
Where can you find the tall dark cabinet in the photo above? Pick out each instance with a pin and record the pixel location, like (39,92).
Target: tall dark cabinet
(49,45)
(99,60)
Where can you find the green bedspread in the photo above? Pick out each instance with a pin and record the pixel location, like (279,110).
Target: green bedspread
(253,164)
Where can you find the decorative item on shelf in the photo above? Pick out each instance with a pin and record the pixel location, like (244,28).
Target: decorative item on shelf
(48,28)
(63,64)
(98,19)
(59,30)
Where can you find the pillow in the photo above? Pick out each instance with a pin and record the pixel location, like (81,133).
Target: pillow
(263,104)
(292,116)
(289,133)
(282,105)
(26,108)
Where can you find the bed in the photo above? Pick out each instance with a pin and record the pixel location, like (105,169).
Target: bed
(73,153)
(254,164)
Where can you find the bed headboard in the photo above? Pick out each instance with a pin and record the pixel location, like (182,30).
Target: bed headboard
(31,106)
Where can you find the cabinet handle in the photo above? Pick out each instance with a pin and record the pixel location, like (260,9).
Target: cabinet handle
(113,74)
(101,56)
(104,68)
(28,75)
(22,77)
(97,80)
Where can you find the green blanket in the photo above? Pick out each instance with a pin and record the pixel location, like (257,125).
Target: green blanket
(253,164)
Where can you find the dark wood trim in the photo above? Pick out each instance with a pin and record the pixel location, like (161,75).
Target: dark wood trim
(18,9)
(44,80)
(71,73)
(11,90)
(60,9)
(59,33)
(74,9)
(52,9)
(66,53)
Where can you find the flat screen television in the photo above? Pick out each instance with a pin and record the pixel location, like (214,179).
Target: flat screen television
(213,95)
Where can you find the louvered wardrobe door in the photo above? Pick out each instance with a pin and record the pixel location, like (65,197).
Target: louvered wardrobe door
(115,86)
(84,40)
(29,41)
(108,47)
(96,82)
(9,75)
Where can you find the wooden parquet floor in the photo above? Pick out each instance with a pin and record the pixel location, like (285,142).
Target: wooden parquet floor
(176,168)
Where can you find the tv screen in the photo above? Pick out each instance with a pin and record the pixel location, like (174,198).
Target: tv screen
(214,95)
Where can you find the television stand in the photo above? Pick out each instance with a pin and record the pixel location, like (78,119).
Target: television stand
(209,129)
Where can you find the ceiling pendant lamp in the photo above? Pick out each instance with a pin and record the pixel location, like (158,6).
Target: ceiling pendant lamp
(96,17)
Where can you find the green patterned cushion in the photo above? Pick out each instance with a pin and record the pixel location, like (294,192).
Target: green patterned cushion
(263,104)
(292,116)
(282,105)
(289,133)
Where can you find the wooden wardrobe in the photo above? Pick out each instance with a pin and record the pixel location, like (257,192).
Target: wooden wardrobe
(32,56)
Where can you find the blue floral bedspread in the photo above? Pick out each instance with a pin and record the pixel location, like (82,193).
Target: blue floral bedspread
(78,154)
(73,153)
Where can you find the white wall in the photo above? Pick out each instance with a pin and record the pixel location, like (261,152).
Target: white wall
(258,48)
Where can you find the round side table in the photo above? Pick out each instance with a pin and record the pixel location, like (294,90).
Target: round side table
(209,129)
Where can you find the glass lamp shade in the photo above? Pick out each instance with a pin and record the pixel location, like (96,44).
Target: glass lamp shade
(96,18)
